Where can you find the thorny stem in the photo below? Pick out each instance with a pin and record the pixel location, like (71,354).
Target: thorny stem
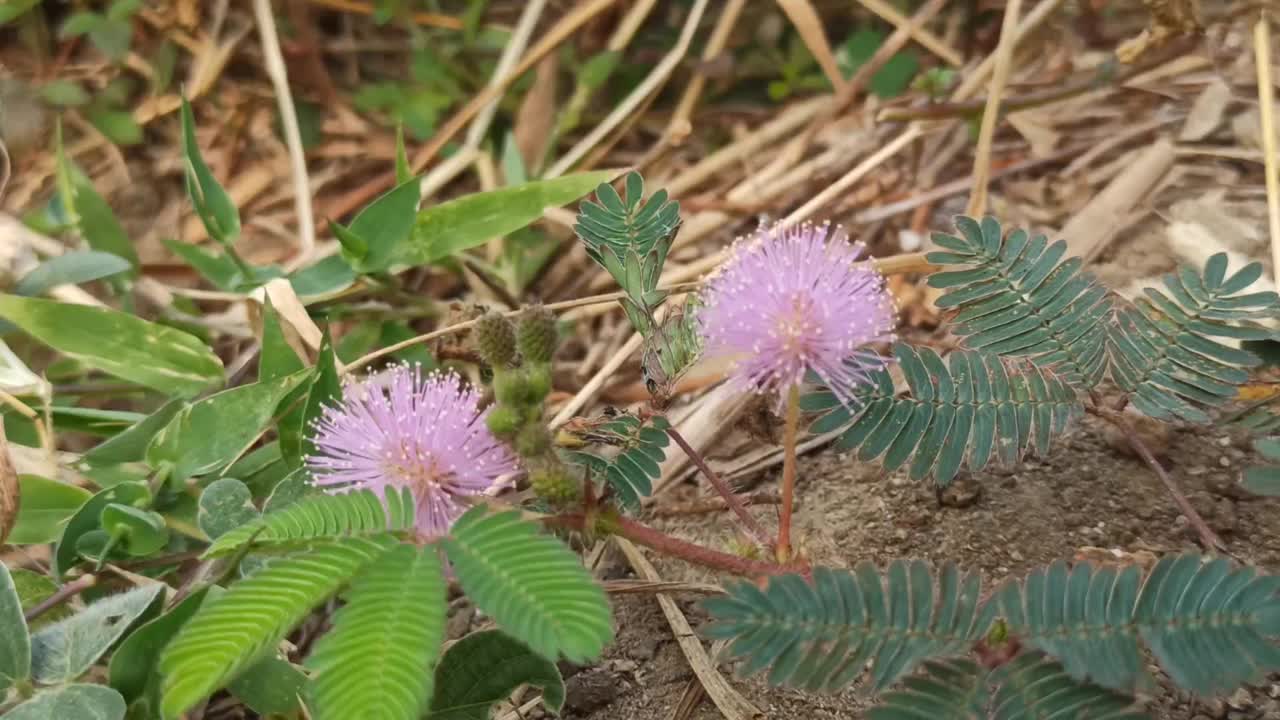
(1208,538)
(788,473)
(61,595)
(753,526)
(653,539)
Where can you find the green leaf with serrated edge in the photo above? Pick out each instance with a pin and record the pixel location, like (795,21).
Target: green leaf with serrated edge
(231,632)
(214,431)
(15,643)
(46,505)
(72,268)
(472,220)
(270,686)
(483,669)
(378,658)
(225,504)
(212,204)
(71,702)
(530,583)
(132,671)
(128,347)
(87,519)
(131,445)
(63,651)
(383,227)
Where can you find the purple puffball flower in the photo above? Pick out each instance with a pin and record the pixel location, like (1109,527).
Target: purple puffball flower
(426,433)
(789,302)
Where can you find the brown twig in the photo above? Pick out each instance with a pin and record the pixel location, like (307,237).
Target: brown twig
(61,595)
(1208,538)
(659,541)
(710,505)
(788,473)
(753,526)
(941,111)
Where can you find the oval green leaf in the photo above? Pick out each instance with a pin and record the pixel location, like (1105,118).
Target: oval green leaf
(72,702)
(15,644)
(483,669)
(63,651)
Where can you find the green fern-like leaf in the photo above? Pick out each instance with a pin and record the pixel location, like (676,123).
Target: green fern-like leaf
(322,516)
(1265,479)
(1018,297)
(1211,627)
(377,661)
(630,240)
(1033,686)
(1163,349)
(530,583)
(229,633)
(954,689)
(820,636)
(957,414)
(637,464)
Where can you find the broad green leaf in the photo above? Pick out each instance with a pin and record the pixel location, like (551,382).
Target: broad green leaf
(277,358)
(219,270)
(87,519)
(63,651)
(118,125)
(212,204)
(376,660)
(530,583)
(214,431)
(133,664)
(131,445)
(404,173)
(324,278)
(46,505)
(326,390)
(596,70)
(379,230)
(224,505)
(466,222)
(14,9)
(483,669)
(89,212)
(128,347)
(270,686)
(71,702)
(67,93)
(15,643)
(33,589)
(137,531)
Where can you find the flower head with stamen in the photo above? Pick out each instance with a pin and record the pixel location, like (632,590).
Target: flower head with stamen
(789,302)
(406,429)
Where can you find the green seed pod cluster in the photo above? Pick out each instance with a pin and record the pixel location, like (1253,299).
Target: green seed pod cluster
(496,340)
(554,485)
(536,335)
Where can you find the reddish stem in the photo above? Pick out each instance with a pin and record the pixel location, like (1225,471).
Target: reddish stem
(653,539)
(753,526)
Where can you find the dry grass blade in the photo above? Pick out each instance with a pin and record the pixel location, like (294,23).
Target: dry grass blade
(729,701)
(1098,223)
(1267,111)
(805,18)
(913,27)
(9,496)
(679,127)
(991,113)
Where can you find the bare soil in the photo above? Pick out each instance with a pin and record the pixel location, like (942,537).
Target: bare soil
(1090,492)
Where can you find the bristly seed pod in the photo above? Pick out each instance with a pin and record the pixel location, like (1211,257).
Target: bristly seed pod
(554,485)
(536,334)
(496,340)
